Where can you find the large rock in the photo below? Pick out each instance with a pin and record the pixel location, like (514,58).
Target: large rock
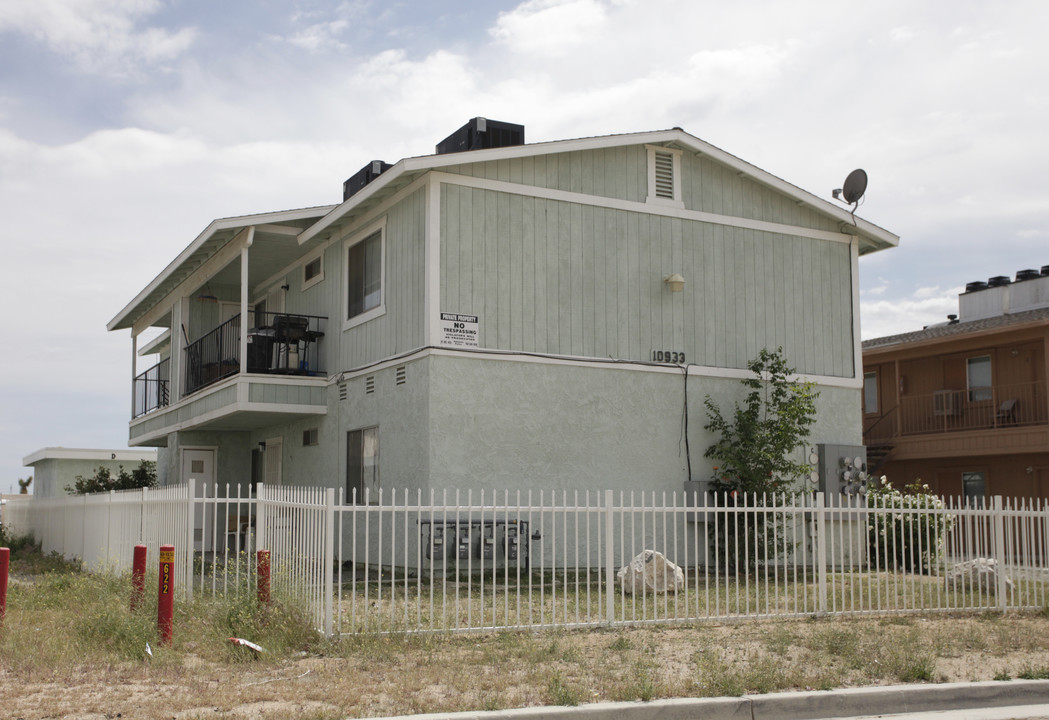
(979,573)
(650,572)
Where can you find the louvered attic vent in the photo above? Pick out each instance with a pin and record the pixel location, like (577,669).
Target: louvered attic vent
(664,162)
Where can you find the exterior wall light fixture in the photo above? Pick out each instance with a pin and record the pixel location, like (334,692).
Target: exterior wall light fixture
(675,282)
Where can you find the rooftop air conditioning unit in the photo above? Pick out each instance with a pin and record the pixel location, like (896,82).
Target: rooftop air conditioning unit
(945,403)
(362,177)
(482,134)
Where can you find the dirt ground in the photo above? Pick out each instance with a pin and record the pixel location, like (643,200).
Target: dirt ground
(376,677)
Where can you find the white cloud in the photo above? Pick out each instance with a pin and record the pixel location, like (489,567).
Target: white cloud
(100,35)
(925,306)
(551,28)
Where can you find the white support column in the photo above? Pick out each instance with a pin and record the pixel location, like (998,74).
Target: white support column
(134,369)
(244,300)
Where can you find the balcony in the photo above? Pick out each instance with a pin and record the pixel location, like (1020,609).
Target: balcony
(283,344)
(285,380)
(949,411)
(1000,406)
(151,388)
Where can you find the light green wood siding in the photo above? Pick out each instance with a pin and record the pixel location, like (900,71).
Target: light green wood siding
(401,327)
(555,277)
(622,173)
(286,394)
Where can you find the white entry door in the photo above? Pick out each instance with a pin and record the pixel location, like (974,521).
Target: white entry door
(199,464)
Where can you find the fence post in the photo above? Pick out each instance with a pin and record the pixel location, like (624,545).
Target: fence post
(998,522)
(610,567)
(329,557)
(191,526)
(5,565)
(821,552)
(109,527)
(260,517)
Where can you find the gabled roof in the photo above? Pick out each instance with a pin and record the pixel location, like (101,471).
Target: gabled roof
(872,237)
(320,222)
(949,330)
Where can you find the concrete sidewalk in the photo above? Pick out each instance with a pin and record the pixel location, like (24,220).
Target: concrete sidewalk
(851,702)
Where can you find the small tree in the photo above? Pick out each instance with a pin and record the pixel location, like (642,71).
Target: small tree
(145,475)
(755,455)
(755,447)
(23,485)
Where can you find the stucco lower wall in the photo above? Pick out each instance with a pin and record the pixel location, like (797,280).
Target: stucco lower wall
(504,424)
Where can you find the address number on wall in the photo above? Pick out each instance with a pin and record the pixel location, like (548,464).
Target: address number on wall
(668,356)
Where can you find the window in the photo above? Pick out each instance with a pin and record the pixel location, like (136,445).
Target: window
(364,272)
(978,372)
(362,466)
(313,272)
(975,487)
(664,176)
(870,393)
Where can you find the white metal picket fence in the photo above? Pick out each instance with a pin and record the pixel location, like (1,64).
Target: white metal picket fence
(453,561)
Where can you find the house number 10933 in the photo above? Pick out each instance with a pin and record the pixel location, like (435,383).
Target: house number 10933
(668,356)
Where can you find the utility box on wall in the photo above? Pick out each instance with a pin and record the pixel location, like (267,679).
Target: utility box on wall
(842,470)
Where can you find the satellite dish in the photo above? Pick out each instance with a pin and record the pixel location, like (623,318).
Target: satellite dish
(854,187)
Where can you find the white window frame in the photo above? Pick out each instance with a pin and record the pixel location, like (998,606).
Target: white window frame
(380,309)
(979,393)
(675,155)
(308,283)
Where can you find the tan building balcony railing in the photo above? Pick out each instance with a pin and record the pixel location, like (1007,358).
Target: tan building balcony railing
(996,407)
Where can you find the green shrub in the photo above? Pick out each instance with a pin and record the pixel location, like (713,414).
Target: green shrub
(902,536)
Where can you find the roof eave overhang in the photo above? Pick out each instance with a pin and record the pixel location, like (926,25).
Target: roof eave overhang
(124,320)
(940,342)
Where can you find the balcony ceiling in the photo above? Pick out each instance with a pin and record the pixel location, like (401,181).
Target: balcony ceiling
(275,246)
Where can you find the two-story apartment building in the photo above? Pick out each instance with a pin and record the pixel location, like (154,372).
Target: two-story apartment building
(963,404)
(498,315)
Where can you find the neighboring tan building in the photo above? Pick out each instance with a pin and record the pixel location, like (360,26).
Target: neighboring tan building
(964,404)
(498,316)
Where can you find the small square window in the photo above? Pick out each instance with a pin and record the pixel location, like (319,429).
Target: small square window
(309,437)
(313,272)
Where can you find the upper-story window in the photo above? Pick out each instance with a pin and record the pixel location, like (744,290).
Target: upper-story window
(664,176)
(870,393)
(313,271)
(978,372)
(365,253)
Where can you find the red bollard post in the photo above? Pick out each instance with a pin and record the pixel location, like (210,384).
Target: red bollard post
(138,576)
(5,567)
(166,586)
(262,573)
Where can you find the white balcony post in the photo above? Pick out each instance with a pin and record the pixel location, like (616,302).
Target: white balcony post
(244,300)
(134,370)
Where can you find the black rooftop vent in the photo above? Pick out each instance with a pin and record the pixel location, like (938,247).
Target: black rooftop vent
(481,134)
(998,281)
(362,177)
(1045,270)
(1026,275)
(975,286)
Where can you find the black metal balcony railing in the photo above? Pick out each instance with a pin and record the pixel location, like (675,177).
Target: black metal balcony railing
(282,343)
(151,388)
(214,356)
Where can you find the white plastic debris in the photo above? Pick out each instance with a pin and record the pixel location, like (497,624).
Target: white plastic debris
(149,650)
(247,644)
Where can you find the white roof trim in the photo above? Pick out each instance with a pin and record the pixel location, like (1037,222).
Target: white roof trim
(61,453)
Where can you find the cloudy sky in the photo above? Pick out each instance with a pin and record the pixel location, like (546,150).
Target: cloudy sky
(126,126)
